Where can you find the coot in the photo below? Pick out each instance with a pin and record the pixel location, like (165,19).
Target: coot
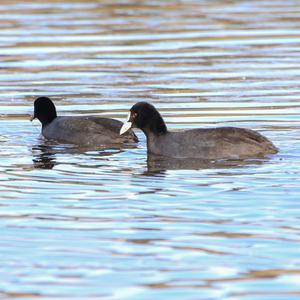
(84,131)
(202,143)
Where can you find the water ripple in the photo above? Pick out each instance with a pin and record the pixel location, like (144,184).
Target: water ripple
(90,224)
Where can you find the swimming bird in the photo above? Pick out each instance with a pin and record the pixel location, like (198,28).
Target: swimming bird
(80,130)
(201,143)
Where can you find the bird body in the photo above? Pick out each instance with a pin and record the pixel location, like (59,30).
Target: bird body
(93,131)
(210,143)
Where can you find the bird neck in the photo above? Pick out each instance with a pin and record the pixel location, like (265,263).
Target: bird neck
(45,120)
(154,141)
(156,126)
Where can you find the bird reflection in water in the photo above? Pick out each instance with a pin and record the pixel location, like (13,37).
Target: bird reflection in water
(160,164)
(43,156)
(45,153)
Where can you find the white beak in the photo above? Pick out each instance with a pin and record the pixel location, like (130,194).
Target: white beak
(32,117)
(126,126)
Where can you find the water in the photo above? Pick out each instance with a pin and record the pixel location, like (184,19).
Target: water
(88,224)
